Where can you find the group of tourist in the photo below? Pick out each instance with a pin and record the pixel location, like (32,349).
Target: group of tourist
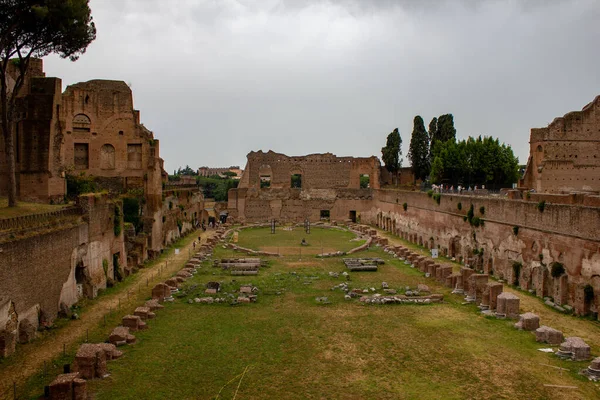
(451,189)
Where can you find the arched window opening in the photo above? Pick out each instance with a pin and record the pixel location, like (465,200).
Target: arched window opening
(81,123)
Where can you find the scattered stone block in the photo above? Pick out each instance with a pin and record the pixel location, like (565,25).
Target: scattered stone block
(243,299)
(545,334)
(27,331)
(110,350)
(528,322)
(68,387)
(134,323)
(120,336)
(594,368)
(161,291)
(246,289)
(508,305)
(172,282)
(184,274)
(575,349)
(144,313)
(153,305)
(423,288)
(442,272)
(494,290)
(90,361)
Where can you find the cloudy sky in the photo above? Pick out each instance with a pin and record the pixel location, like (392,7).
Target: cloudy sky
(215,79)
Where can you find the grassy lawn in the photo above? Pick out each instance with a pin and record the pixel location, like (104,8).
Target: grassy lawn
(289,346)
(287,242)
(24,208)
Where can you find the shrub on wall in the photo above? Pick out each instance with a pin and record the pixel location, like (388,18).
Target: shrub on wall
(80,184)
(557,270)
(437,197)
(482,210)
(459,206)
(516,230)
(404,206)
(541,205)
(430,193)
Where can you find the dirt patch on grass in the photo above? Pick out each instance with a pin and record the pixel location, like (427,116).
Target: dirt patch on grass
(291,250)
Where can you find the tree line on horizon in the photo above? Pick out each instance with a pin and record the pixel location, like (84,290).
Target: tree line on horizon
(436,156)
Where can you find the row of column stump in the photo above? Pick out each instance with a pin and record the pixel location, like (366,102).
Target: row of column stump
(91,358)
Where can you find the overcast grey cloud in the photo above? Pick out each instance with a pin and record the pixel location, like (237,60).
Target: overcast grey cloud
(215,79)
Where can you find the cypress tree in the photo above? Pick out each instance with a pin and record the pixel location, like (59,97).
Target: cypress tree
(418,153)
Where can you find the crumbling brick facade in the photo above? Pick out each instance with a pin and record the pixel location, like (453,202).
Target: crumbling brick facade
(565,156)
(274,185)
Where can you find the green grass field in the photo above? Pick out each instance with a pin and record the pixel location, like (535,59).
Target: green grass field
(25,208)
(287,242)
(289,346)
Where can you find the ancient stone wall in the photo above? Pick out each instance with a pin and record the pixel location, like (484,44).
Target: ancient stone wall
(318,171)
(182,210)
(513,232)
(565,156)
(58,266)
(326,184)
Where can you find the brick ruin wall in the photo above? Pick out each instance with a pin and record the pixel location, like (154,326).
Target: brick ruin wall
(568,234)
(40,272)
(565,155)
(328,183)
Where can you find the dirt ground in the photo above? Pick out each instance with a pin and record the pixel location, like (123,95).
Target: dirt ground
(297,250)
(29,359)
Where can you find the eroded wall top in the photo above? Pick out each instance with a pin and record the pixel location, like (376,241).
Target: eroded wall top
(317,171)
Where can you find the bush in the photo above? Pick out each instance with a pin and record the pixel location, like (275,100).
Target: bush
(437,197)
(477,222)
(482,210)
(528,195)
(516,230)
(459,206)
(541,205)
(81,184)
(430,193)
(470,214)
(557,270)
(404,206)
(170,205)
(516,272)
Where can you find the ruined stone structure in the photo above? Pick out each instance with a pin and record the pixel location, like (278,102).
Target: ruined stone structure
(48,262)
(91,129)
(565,156)
(207,171)
(517,242)
(316,186)
(47,272)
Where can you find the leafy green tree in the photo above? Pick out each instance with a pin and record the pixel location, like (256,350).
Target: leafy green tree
(475,161)
(392,152)
(432,133)
(418,153)
(35,28)
(442,131)
(186,171)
